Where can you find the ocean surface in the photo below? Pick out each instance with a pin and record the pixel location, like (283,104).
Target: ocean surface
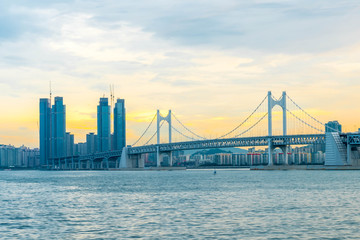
(192,204)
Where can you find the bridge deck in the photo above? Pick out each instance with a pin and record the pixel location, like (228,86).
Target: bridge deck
(214,143)
(231,142)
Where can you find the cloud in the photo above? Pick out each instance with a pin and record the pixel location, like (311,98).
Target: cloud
(202,59)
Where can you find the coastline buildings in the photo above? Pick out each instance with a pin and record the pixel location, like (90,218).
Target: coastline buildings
(55,142)
(306,155)
(21,157)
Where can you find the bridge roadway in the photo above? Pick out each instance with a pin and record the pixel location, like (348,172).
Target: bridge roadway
(230,142)
(352,139)
(213,143)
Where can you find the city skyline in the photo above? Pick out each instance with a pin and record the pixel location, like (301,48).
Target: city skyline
(207,67)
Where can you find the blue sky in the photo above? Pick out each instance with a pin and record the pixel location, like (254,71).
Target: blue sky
(204,59)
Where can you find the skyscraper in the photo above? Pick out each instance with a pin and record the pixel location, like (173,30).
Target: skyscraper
(44,130)
(58,128)
(119,125)
(103,125)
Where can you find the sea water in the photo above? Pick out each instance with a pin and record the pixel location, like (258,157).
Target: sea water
(180,204)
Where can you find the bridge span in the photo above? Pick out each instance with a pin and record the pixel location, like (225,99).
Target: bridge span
(340,147)
(132,157)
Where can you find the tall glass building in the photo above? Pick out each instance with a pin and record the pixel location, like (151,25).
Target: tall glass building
(44,130)
(119,125)
(103,125)
(58,128)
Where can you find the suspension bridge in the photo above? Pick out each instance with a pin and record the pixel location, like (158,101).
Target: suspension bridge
(299,127)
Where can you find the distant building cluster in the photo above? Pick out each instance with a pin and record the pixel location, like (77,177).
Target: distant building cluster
(55,142)
(311,154)
(22,157)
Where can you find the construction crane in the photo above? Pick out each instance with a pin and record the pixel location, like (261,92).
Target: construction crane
(112,99)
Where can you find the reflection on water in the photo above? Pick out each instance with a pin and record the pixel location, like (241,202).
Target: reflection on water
(179,204)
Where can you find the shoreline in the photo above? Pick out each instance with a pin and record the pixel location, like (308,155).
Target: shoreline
(303,167)
(253,168)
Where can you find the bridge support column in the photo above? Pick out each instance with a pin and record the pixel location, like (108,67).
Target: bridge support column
(124,160)
(141,161)
(72,163)
(160,118)
(349,160)
(271,104)
(66,164)
(107,163)
(270,152)
(285,151)
(117,163)
(79,164)
(92,164)
(170,159)
(283,100)
(157,156)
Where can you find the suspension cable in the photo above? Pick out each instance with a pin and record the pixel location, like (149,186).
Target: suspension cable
(244,120)
(154,134)
(304,111)
(304,122)
(252,125)
(183,134)
(187,128)
(145,130)
(336,130)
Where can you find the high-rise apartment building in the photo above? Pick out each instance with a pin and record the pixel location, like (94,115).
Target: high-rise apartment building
(58,128)
(91,143)
(11,156)
(45,131)
(333,126)
(103,125)
(119,125)
(69,144)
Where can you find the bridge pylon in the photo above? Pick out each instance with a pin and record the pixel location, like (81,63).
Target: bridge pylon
(271,104)
(160,118)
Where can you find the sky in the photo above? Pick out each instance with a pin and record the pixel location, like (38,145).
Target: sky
(211,62)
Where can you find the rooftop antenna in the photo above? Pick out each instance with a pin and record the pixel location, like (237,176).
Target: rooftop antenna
(111,96)
(111,100)
(50,92)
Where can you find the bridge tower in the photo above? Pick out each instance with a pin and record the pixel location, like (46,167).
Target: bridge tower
(271,104)
(160,118)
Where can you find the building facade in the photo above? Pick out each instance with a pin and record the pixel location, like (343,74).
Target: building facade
(45,131)
(21,157)
(91,143)
(103,125)
(58,128)
(333,126)
(119,125)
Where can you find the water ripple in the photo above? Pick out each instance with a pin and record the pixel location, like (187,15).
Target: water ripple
(179,205)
